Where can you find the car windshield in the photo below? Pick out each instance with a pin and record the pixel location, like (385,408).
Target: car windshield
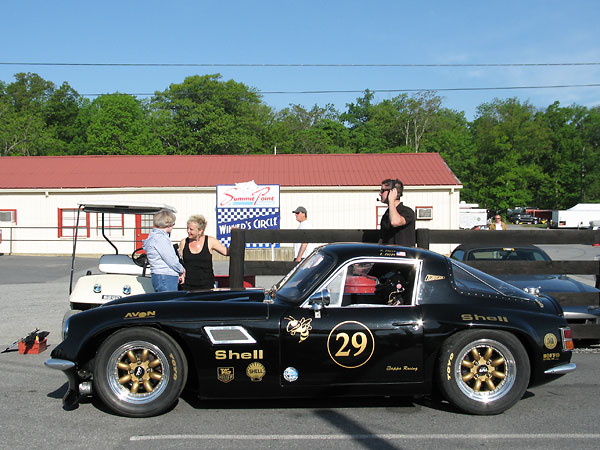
(507,254)
(297,284)
(470,281)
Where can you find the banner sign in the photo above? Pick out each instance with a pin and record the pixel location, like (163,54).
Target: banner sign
(248,206)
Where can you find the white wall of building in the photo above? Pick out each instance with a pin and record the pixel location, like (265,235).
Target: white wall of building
(328,208)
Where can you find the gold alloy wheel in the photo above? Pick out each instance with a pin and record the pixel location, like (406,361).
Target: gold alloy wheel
(137,372)
(140,371)
(486,371)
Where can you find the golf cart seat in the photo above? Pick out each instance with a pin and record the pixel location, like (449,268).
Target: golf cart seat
(120,264)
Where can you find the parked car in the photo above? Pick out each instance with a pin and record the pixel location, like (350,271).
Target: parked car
(545,283)
(481,227)
(524,218)
(350,320)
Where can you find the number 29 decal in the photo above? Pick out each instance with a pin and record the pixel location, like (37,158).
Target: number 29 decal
(350,344)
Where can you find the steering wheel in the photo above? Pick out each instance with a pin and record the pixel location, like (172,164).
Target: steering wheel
(140,259)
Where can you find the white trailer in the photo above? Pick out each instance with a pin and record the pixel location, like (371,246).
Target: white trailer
(470,215)
(579,216)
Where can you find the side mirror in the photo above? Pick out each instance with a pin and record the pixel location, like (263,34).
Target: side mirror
(320,299)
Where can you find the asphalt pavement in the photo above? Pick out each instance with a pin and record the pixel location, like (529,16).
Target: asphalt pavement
(34,293)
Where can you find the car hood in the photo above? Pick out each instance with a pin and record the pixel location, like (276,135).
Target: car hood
(216,295)
(548,283)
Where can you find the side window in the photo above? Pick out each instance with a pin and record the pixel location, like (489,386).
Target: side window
(335,288)
(379,283)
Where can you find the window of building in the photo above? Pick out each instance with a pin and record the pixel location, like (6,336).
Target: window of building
(113,224)
(67,221)
(8,215)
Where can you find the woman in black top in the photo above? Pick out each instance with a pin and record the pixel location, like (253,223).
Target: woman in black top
(196,253)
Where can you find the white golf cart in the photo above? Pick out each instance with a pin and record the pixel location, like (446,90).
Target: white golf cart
(120,274)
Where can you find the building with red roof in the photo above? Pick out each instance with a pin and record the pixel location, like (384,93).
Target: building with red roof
(338,190)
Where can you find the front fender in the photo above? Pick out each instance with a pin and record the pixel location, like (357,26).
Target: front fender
(87,329)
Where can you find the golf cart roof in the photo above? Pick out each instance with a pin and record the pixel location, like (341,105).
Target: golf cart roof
(125,207)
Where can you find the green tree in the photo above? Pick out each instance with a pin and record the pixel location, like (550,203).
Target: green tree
(297,130)
(590,134)
(23,130)
(573,162)
(204,115)
(61,111)
(365,135)
(398,124)
(511,141)
(449,135)
(118,125)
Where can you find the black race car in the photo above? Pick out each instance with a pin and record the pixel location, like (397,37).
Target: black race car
(351,320)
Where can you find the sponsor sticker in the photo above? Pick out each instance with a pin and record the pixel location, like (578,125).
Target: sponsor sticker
(140,314)
(550,341)
(256,371)
(290,374)
(225,374)
(430,277)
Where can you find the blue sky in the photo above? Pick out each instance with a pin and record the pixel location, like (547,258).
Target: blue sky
(307,32)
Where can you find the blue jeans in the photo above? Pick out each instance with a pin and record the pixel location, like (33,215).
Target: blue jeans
(163,283)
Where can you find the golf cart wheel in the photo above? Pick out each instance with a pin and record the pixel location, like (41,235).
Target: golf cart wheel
(483,372)
(139,372)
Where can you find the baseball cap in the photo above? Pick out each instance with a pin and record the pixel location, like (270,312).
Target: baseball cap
(300,209)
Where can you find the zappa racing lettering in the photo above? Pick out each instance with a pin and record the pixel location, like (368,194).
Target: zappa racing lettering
(350,344)
(401,369)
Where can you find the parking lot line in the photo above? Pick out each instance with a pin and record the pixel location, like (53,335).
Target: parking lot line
(334,437)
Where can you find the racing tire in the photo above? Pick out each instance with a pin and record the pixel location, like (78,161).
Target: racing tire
(483,372)
(139,372)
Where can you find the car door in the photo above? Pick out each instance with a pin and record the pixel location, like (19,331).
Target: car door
(364,342)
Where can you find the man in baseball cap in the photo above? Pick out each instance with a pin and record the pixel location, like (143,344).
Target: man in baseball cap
(301,251)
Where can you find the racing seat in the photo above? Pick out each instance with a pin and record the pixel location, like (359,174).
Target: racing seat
(359,290)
